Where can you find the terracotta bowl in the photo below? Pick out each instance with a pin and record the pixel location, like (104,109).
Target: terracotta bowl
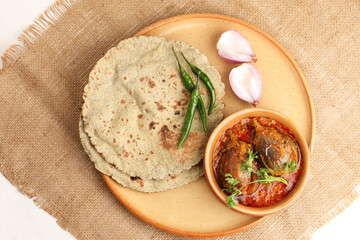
(228,122)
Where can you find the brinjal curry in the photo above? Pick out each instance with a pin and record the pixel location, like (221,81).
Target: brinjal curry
(257,162)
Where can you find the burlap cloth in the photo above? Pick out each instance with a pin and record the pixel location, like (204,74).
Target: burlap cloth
(43,79)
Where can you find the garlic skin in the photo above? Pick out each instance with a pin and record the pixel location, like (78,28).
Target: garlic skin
(245,81)
(234,47)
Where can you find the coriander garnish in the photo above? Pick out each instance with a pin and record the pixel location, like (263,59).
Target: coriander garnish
(263,174)
(266,177)
(291,167)
(247,166)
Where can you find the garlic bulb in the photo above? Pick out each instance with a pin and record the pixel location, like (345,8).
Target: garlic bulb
(234,47)
(245,81)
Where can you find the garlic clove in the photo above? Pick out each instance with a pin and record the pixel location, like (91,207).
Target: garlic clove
(245,81)
(234,47)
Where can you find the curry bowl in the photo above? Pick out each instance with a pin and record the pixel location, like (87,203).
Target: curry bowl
(256,162)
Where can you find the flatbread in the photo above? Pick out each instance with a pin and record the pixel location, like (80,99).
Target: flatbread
(135,105)
(134,182)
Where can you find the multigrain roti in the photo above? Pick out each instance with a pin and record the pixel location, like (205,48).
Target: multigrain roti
(153,185)
(135,105)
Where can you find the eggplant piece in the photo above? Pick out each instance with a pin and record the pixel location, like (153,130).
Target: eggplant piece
(275,149)
(233,154)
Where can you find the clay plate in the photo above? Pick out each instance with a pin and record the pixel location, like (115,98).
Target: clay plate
(192,210)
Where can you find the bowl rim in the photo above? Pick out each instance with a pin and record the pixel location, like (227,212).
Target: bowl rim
(229,121)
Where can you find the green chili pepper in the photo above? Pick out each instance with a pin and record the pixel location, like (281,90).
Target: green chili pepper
(188,82)
(202,111)
(194,99)
(189,85)
(203,77)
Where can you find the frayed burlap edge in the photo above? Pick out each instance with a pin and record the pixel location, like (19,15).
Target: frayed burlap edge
(334,212)
(35,32)
(27,38)
(44,204)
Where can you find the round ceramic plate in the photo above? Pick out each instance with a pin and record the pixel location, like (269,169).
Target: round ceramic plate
(193,210)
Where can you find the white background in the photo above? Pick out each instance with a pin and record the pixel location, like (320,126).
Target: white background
(20,218)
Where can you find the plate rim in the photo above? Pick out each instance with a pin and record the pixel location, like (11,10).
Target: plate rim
(111,183)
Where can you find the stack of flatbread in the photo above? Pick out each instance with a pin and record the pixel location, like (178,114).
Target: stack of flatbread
(134,111)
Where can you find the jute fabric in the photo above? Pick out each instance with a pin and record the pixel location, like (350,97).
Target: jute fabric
(43,77)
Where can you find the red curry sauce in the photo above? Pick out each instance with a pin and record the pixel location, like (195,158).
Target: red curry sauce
(265,195)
